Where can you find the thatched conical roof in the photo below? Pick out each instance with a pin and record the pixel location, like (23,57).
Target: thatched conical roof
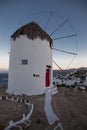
(32,30)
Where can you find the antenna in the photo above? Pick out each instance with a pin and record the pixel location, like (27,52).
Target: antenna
(35,17)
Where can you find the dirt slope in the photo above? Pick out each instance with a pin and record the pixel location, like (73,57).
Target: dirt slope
(69,106)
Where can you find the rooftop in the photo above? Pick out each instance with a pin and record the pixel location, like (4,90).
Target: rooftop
(32,30)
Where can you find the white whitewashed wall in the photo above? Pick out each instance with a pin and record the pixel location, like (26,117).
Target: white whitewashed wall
(21,79)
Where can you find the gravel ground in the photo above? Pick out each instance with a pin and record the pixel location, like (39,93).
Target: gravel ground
(10,110)
(69,106)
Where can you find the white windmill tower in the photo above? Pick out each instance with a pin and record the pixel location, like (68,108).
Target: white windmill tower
(30,68)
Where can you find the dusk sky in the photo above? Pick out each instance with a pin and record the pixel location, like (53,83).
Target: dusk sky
(15,13)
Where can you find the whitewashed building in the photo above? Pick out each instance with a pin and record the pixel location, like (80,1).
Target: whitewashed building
(30,66)
(85,82)
(70,82)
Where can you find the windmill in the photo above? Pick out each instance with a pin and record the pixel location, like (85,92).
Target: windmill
(31,56)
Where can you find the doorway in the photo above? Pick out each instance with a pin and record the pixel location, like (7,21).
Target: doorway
(47,78)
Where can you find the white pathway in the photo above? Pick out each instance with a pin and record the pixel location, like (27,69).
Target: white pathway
(51,116)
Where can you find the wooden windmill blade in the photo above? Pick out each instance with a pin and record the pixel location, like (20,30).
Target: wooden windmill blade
(48,20)
(57,65)
(64,51)
(59,27)
(67,36)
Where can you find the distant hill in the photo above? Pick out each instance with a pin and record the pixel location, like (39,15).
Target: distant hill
(64,72)
(3,79)
(3,75)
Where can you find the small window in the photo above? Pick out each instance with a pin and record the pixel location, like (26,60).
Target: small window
(24,61)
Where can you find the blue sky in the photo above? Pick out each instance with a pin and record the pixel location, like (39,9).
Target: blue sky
(15,13)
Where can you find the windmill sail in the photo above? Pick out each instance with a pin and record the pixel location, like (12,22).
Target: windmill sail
(64,51)
(72,35)
(58,27)
(48,20)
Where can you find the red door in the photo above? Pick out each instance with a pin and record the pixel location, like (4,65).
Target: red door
(47,78)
